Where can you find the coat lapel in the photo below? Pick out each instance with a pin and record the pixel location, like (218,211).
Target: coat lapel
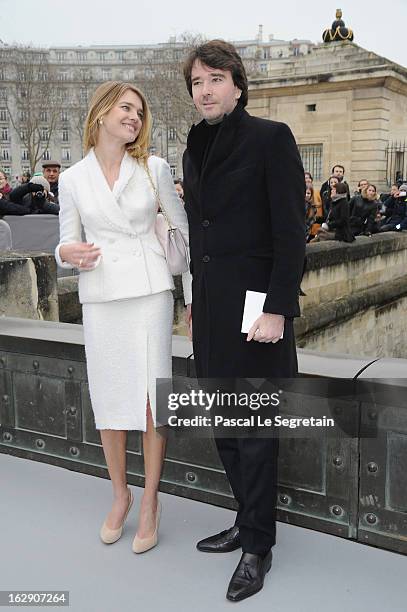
(107,199)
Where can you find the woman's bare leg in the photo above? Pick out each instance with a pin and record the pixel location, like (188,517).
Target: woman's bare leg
(114,448)
(154,452)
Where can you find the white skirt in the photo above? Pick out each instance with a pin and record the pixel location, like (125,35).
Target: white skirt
(128,346)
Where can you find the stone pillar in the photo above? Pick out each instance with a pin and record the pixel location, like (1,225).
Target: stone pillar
(28,286)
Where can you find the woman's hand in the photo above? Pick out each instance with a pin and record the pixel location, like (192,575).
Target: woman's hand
(82,255)
(188,320)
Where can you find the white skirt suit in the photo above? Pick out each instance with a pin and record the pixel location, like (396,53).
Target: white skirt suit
(126,299)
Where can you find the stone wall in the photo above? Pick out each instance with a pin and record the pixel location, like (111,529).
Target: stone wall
(28,286)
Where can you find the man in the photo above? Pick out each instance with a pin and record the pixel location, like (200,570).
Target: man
(179,188)
(244,194)
(339,172)
(51,171)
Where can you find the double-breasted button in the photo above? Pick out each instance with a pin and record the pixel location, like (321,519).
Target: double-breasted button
(205,223)
(206,258)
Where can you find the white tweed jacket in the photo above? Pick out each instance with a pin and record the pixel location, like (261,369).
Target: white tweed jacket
(121,222)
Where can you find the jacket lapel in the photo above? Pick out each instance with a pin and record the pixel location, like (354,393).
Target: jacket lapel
(107,199)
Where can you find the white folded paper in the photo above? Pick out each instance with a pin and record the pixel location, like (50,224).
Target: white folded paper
(253,308)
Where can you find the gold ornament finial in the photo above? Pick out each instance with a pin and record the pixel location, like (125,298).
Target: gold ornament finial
(338,13)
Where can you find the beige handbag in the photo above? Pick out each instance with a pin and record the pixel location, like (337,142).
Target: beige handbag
(172,241)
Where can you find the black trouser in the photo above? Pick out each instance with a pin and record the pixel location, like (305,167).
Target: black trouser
(251,467)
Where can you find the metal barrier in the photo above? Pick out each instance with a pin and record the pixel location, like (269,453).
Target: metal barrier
(354,487)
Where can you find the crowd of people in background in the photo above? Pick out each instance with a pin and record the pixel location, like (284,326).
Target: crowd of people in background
(333,214)
(37,194)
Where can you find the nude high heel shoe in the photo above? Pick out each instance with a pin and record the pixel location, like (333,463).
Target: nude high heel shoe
(109,536)
(141,545)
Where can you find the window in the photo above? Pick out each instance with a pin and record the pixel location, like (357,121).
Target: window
(21,75)
(2,74)
(3,93)
(6,170)
(65,135)
(106,75)
(66,154)
(23,135)
(64,115)
(263,67)
(120,56)
(173,169)
(311,155)
(43,115)
(5,155)
(101,55)
(172,133)
(3,114)
(311,108)
(46,156)
(43,75)
(23,116)
(63,75)
(83,95)
(24,155)
(61,56)
(81,55)
(4,133)
(44,134)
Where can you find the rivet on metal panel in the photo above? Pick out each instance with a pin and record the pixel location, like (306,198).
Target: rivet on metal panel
(337,510)
(72,410)
(337,461)
(5,399)
(71,370)
(74,451)
(191,477)
(371,518)
(372,414)
(36,365)
(2,361)
(285,499)
(372,467)
(7,437)
(39,443)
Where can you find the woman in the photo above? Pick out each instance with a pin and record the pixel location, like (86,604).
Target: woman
(363,211)
(124,286)
(314,213)
(336,226)
(326,195)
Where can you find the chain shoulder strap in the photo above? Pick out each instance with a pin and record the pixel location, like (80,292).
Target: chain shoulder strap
(157,197)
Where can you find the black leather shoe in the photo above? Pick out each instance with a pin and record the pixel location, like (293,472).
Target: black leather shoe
(222,542)
(249,576)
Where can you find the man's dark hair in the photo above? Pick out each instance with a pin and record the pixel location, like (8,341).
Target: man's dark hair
(178,182)
(218,54)
(338,166)
(340,188)
(308,174)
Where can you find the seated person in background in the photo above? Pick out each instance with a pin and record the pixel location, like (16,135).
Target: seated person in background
(179,188)
(314,213)
(339,172)
(363,212)
(388,202)
(336,226)
(7,207)
(396,217)
(51,171)
(326,194)
(363,183)
(309,182)
(34,196)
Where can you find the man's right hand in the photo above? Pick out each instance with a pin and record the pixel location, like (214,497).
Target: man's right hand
(82,255)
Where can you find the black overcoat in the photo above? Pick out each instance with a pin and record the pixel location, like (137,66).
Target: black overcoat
(245,209)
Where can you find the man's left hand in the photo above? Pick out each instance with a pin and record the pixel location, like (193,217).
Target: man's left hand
(267,328)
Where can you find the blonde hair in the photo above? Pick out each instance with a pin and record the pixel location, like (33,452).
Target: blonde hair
(103,100)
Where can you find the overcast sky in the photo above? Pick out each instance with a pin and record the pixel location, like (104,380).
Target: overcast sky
(378,25)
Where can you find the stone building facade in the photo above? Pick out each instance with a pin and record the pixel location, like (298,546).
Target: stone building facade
(344,105)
